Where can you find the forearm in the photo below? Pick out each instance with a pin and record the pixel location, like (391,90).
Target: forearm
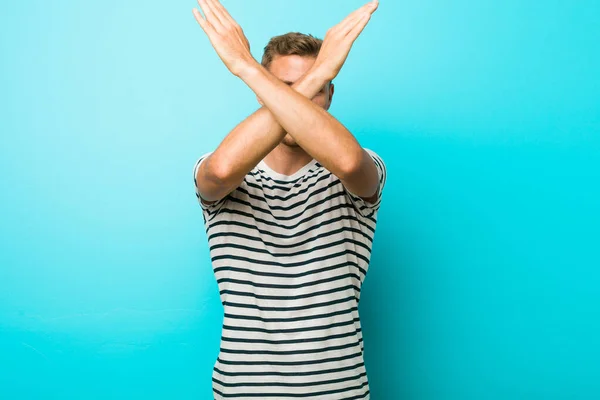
(256,136)
(313,128)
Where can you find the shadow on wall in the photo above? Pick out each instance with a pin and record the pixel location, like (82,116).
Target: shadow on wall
(484,271)
(415,327)
(408,324)
(388,299)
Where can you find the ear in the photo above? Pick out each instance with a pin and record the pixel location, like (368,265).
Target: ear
(331,89)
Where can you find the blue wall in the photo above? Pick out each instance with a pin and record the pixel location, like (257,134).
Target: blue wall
(485,276)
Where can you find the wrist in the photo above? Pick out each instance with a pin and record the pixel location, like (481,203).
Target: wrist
(320,73)
(248,70)
(310,83)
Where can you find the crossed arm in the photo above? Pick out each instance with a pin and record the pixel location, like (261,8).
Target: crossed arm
(290,108)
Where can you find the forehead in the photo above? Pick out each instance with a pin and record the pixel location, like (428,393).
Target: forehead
(290,68)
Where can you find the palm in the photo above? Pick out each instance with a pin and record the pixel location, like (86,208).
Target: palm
(339,39)
(225,35)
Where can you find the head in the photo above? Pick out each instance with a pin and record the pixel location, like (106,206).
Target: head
(290,56)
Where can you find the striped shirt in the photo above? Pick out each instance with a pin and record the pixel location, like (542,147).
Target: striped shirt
(290,254)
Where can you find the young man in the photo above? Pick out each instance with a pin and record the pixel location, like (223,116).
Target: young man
(290,202)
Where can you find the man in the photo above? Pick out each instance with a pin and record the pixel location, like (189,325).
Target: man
(290,202)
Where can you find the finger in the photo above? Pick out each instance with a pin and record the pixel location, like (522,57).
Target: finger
(218,12)
(222,12)
(357,24)
(204,24)
(359,27)
(347,24)
(210,15)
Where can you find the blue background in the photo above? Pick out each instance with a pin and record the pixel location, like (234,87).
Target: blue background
(485,276)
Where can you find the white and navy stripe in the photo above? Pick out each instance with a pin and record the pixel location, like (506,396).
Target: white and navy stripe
(290,254)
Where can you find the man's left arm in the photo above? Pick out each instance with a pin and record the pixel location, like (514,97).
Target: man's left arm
(315,130)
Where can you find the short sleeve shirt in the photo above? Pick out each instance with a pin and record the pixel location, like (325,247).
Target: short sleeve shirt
(290,254)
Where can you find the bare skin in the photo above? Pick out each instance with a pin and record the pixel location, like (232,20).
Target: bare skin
(288,157)
(289,130)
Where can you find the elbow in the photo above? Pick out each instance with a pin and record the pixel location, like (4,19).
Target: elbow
(350,166)
(215,171)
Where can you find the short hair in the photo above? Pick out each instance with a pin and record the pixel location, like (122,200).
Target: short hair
(292,43)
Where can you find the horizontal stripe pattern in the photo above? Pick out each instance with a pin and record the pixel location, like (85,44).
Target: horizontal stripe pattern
(290,254)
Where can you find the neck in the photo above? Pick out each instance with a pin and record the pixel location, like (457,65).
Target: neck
(287,160)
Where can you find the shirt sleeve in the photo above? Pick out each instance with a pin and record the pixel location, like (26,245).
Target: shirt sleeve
(209,208)
(365,208)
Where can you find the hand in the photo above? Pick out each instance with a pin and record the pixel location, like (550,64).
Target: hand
(339,39)
(225,35)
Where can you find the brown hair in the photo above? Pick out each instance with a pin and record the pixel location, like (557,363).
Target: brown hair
(292,43)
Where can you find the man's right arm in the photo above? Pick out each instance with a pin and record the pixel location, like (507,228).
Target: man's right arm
(246,145)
